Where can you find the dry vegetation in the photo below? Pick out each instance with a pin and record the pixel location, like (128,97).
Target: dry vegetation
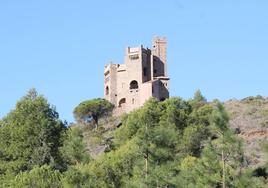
(249,117)
(99,141)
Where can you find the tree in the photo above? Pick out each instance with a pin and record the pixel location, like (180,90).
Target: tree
(43,177)
(30,135)
(198,99)
(74,148)
(74,177)
(155,129)
(221,160)
(92,110)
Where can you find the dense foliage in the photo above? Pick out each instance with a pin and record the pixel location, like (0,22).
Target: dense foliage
(92,110)
(173,143)
(30,135)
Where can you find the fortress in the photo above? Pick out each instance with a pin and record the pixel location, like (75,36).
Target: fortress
(143,75)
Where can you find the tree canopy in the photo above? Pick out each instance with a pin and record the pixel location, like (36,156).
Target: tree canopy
(93,109)
(30,135)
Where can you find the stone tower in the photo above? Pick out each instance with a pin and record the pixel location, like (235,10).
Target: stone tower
(143,75)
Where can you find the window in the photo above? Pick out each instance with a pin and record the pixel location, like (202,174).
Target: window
(122,102)
(134,57)
(133,85)
(133,101)
(144,71)
(107,90)
(107,79)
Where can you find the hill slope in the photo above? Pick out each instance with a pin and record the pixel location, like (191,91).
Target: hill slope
(249,117)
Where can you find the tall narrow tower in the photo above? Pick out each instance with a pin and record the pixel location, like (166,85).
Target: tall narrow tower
(159,52)
(110,83)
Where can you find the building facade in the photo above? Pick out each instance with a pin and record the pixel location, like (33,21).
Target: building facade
(142,76)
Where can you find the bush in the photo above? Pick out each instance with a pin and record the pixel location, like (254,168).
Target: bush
(41,177)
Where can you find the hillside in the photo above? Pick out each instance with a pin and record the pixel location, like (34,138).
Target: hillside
(249,117)
(170,143)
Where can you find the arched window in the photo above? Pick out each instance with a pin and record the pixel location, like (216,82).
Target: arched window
(133,85)
(122,102)
(107,90)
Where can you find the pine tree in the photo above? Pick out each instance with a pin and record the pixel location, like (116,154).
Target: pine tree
(30,135)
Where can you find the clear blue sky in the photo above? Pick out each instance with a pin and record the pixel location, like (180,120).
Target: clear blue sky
(61,46)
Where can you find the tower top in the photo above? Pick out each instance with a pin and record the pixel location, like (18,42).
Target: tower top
(158,39)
